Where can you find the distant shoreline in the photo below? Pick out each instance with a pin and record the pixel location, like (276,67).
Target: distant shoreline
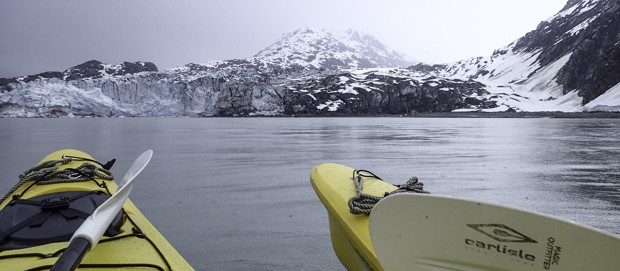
(560,115)
(498,115)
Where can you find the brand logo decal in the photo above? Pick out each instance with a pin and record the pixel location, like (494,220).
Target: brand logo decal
(502,233)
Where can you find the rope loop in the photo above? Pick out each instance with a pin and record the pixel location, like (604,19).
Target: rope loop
(363,203)
(411,186)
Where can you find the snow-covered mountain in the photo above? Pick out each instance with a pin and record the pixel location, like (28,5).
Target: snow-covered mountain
(570,62)
(564,64)
(320,49)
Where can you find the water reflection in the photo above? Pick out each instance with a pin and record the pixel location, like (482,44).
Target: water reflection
(233,194)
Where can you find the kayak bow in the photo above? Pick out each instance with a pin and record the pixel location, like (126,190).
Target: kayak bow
(130,242)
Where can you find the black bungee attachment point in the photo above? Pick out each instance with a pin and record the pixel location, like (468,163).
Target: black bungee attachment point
(109,164)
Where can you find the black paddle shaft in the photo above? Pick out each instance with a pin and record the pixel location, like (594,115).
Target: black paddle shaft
(71,258)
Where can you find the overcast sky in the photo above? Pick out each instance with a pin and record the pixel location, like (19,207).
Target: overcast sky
(38,36)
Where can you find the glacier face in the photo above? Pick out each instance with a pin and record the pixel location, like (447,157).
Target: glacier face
(147,94)
(312,72)
(197,90)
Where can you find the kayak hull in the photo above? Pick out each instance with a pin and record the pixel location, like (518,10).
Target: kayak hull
(334,186)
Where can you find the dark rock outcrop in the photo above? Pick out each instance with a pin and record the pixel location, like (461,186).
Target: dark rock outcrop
(426,68)
(95,69)
(88,69)
(381,94)
(594,66)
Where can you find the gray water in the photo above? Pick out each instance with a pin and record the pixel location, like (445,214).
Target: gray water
(234,193)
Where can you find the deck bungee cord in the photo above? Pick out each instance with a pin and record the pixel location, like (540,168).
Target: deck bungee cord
(43,211)
(48,173)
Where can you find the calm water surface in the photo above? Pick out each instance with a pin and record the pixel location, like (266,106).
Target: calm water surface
(234,194)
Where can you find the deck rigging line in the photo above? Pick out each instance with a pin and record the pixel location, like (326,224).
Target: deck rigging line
(363,203)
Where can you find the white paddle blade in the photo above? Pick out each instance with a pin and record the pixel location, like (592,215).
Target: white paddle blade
(429,232)
(95,225)
(138,165)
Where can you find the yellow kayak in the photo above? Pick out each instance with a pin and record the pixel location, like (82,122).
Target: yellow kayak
(39,215)
(334,186)
(410,230)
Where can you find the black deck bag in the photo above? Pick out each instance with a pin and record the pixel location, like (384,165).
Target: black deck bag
(49,218)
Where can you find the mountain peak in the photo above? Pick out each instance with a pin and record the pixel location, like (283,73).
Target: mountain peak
(320,49)
(356,36)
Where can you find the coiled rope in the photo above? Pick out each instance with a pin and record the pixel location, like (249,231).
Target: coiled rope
(48,173)
(363,203)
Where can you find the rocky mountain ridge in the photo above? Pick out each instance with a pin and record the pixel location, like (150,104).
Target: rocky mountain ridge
(88,70)
(312,72)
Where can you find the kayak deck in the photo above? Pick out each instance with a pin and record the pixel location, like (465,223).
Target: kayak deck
(139,244)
